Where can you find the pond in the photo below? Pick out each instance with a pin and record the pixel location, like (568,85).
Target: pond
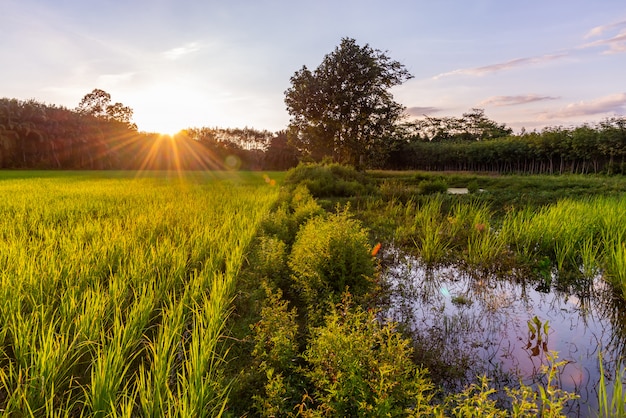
(466,324)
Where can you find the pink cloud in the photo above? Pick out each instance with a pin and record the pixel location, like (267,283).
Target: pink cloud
(514,100)
(599,30)
(614,103)
(616,43)
(507,65)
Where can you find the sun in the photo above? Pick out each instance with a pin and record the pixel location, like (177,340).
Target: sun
(172,134)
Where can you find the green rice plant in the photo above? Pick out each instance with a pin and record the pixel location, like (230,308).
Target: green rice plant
(430,230)
(518,232)
(432,244)
(614,407)
(615,266)
(158,374)
(590,256)
(115,356)
(484,247)
(102,274)
(201,387)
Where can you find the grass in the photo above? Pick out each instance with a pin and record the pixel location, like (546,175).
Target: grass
(612,406)
(115,288)
(575,223)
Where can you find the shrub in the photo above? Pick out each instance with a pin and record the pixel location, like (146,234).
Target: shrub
(295,210)
(328,256)
(275,350)
(360,368)
(270,258)
(432,186)
(472,186)
(330,180)
(304,206)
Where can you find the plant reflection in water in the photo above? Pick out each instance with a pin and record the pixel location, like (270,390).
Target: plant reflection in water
(466,324)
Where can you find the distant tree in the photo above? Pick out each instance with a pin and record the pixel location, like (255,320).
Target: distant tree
(98,104)
(95,103)
(344,108)
(472,126)
(280,155)
(477,126)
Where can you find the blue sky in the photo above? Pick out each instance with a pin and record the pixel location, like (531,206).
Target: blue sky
(183,63)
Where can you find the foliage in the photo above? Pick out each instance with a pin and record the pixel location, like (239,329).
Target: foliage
(361,368)
(98,104)
(270,259)
(554,150)
(101,135)
(329,180)
(472,126)
(344,108)
(329,256)
(432,186)
(116,289)
(276,348)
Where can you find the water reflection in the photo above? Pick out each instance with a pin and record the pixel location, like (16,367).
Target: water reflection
(466,324)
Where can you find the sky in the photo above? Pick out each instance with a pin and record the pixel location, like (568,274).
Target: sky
(185,63)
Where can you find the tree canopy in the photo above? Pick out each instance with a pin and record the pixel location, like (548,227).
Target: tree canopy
(344,109)
(98,104)
(472,126)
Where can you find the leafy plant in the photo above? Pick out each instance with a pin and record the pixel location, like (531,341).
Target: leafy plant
(427,187)
(362,368)
(329,256)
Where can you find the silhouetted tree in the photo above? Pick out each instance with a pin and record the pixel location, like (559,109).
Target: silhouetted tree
(280,155)
(344,108)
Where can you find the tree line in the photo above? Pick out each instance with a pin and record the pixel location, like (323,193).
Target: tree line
(99,134)
(599,148)
(342,111)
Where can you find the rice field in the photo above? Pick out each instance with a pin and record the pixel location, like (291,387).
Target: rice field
(115,288)
(582,236)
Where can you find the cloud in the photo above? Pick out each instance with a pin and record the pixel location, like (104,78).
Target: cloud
(181,51)
(507,65)
(514,100)
(421,111)
(599,30)
(616,42)
(614,103)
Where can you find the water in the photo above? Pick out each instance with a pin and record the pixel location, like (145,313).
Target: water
(480,324)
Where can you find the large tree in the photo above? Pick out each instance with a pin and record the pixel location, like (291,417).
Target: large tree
(344,109)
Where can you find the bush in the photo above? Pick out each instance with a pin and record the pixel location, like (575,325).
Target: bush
(276,349)
(292,212)
(304,206)
(270,259)
(360,368)
(330,180)
(472,186)
(328,256)
(432,186)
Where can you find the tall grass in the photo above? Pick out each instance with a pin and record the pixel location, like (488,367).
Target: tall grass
(578,237)
(612,406)
(114,291)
